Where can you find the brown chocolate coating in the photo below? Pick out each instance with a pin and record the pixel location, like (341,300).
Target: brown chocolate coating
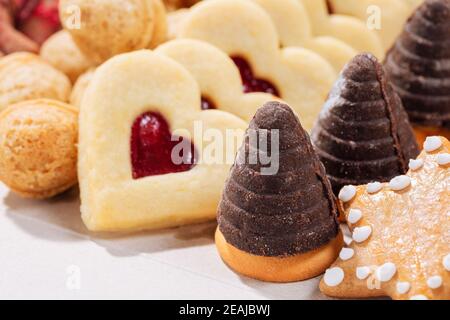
(363,133)
(419,64)
(287,213)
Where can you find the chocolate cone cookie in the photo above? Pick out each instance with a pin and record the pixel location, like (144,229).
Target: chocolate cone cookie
(419,65)
(284,219)
(363,133)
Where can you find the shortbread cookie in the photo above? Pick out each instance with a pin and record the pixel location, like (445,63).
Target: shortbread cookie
(38,153)
(400,232)
(278,219)
(391,13)
(349,29)
(61,52)
(205,62)
(25,76)
(245,32)
(80,88)
(418,68)
(175,21)
(128,177)
(363,133)
(112,27)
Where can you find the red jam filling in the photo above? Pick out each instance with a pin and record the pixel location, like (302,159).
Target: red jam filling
(207,104)
(250,82)
(151,148)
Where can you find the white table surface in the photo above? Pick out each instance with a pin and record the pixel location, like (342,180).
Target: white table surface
(47,253)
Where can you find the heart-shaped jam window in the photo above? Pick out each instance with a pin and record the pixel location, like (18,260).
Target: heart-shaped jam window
(152,148)
(250,82)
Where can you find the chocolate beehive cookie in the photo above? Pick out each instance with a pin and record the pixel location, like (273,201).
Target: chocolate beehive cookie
(278,225)
(418,66)
(363,133)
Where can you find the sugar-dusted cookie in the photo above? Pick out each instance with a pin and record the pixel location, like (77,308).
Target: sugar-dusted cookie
(112,27)
(38,153)
(400,232)
(392,13)
(80,87)
(349,29)
(223,92)
(363,133)
(244,31)
(418,67)
(278,218)
(61,52)
(132,175)
(25,76)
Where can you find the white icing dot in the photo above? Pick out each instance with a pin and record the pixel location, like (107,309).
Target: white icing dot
(385,272)
(347,193)
(399,183)
(443,159)
(346,254)
(415,164)
(362,272)
(374,187)
(446,262)
(432,144)
(347,240)
(434,282)
(418,297)
(354,215)
(403,287)
(333,276)
(361,234)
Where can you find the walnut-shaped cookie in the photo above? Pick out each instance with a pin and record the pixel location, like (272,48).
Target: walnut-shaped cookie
(417,66)
(349,29)
(400,233)
(62,53)
(278,216)
(25,76)
(149,157)
(108,28)
(385,16)
(245,32)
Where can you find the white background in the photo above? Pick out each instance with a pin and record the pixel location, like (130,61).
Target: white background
(43,245)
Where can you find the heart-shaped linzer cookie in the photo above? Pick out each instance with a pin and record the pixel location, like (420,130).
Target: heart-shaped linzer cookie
(130,173)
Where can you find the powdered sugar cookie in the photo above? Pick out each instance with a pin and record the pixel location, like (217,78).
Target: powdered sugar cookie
(61,52)
(80,88)
(402,239)
(245,32)
(130,177)
(25,76)
(38,153)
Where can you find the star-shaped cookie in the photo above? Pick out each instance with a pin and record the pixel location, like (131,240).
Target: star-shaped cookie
(400,244)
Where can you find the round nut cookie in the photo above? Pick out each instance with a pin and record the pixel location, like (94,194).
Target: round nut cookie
(38,152)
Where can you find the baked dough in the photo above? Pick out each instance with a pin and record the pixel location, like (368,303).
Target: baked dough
(401,234)
(109,28)
(38,153)
(25,76)
(205,62)
(62,53)
(80,88)
(345,28)
(242,28)
(394,14)
(121,90)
